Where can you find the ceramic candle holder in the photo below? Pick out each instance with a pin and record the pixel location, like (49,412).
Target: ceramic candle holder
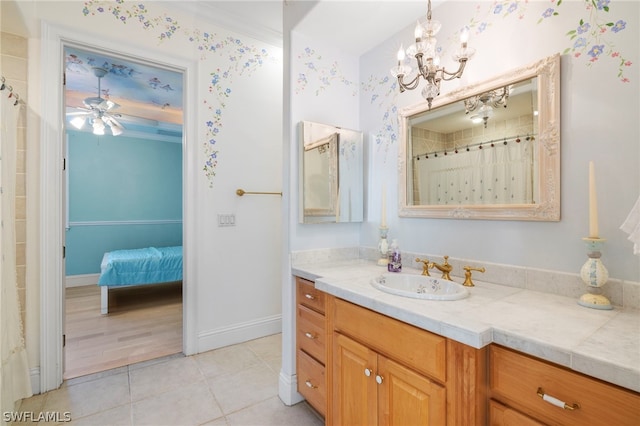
(594,275)
(383,246)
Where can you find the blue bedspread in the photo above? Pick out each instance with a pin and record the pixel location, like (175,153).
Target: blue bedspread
(141,266)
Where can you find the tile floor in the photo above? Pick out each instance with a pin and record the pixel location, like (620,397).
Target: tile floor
(236,385)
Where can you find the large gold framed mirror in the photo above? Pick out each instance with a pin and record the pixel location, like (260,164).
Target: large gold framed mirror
(490,150)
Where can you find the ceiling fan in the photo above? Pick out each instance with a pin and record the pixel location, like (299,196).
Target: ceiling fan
(97,111)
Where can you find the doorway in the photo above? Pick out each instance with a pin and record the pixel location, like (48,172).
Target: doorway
(123,194)
(53,209)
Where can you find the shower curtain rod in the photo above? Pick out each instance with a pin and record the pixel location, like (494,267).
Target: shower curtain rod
(530,136)
(12,94)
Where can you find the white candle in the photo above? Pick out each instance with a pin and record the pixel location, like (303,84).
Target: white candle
(593,203)
(383,220)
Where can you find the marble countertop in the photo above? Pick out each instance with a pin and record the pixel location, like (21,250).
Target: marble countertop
(602,344)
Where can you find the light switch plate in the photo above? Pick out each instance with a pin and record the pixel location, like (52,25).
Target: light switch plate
(227,219)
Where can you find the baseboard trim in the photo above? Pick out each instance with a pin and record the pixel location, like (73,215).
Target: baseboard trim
(239,333)
(81,280)
(34,374)
(288,389)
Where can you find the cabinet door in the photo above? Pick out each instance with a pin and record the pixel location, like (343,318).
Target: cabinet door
(354,398)
(408,398)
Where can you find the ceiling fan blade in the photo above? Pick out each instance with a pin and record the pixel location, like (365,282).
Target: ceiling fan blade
(77,110)
(137,120)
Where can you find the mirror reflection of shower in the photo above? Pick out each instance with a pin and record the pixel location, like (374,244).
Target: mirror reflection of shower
(331,174)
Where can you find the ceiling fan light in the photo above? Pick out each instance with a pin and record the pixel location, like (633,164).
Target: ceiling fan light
(98,127)
(78,122)
(116,130)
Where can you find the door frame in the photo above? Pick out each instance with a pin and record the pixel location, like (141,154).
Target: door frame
(52,220)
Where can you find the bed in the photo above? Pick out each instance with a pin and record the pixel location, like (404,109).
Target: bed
(144,266)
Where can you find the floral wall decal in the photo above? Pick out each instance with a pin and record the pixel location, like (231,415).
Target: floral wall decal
(239,59)
(593,36)
(321,74)
(384,93)
(592,39)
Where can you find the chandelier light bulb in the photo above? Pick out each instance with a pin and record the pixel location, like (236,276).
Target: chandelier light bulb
(418,32)
(464,36)
(401,55)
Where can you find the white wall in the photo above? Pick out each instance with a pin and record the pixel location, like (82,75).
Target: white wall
(599,116)
(324,89)
(236,284)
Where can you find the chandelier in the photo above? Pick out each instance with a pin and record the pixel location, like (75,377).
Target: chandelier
(428,62)
(485,103)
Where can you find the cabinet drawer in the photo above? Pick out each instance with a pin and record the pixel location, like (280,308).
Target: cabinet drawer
(310,333)
(416,348)
(307,295)
(501,415)
(311,381)
(515,379)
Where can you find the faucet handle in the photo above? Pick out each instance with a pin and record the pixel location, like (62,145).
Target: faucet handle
(467,275)
(426,265)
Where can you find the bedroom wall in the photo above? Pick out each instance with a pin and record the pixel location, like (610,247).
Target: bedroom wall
(124,193)
(235,103)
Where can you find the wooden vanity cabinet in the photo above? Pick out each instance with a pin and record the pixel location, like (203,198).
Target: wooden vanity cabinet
(311,347)
(371,389)
(518,382)
(386,372)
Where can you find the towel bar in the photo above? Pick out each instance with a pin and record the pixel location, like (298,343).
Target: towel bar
(241,192)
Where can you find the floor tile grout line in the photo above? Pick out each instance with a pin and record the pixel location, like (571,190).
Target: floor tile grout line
(262,354)
(130,396)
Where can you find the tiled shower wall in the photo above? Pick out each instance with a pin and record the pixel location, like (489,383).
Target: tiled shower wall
(13,49)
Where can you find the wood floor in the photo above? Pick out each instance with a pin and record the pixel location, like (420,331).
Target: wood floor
(143,323)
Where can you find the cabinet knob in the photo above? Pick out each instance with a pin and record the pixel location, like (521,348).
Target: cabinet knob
(378,379)
(310,296)
(310,385)
(367,372)
(309,335)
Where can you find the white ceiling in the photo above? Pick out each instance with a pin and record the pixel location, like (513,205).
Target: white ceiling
(359,26)
(356,26)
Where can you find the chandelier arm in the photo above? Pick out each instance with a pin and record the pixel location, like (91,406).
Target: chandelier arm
(410,85)
(455,74)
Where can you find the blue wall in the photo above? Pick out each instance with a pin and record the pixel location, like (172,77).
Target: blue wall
(123,193)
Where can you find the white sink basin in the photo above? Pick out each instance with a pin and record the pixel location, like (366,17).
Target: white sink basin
(419,287)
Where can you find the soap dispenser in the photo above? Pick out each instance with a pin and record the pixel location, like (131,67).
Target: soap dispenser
(395,259)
